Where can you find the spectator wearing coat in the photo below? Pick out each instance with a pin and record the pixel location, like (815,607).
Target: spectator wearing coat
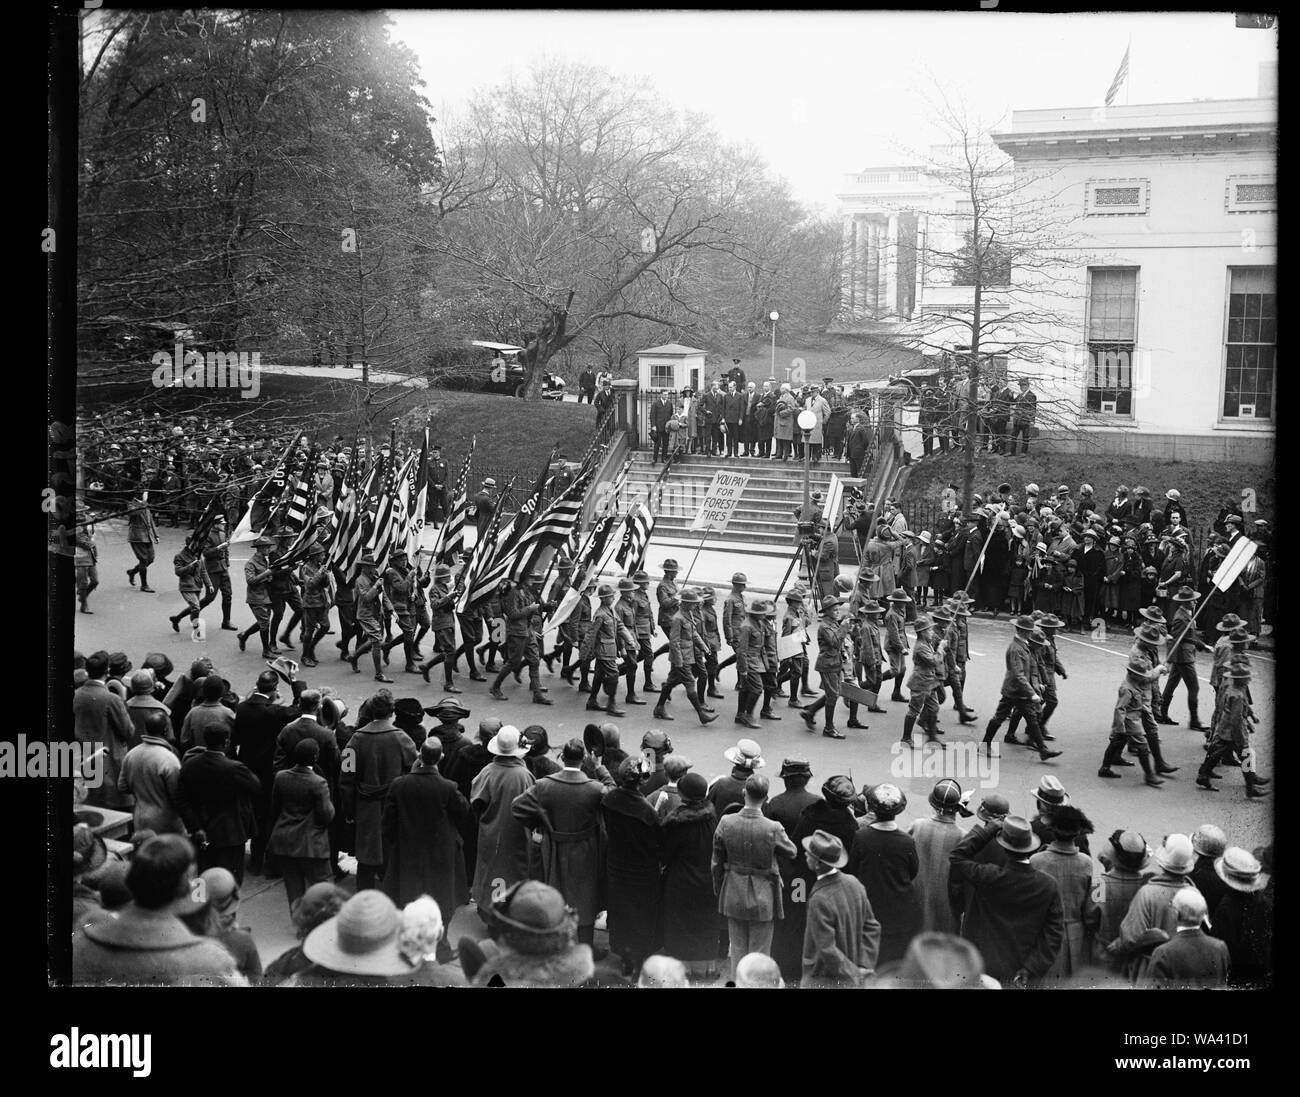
(745,876)
(259,720)
(690,909)
(816,403)
(1014,912)
(1243,920)
(841,934)
(857,444)
(764,408)
(632,858)
(1151,908)
(215,796)
(376,755)
(1072,871)
(150,775)
(301,812)
(884,858)
(422,820)
(936,838)
(142,702)
(564,809)
(100,716)
(503,845)
(1125,874)
(784,415)
(1191,959)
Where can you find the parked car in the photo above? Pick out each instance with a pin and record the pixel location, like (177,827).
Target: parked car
(506,375)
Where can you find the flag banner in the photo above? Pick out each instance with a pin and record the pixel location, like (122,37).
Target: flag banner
(531,505)
(834,497)
(583,564)
(636,536)
(607,564)
(1121,74)
(250,526)
(451,537)
(207,519)
(420,499)
(351,529)
(481,560)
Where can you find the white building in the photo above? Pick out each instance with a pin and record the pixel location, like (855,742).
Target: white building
(1166,298)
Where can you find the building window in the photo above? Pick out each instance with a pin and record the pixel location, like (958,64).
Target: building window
(1112,340)
(1251,345)
(1116,197)
(662,375)
(1251,194)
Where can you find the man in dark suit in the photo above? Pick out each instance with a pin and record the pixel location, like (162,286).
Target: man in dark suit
(214,795)
(661,410)
(1190,959)
(733,414)
(858,443)
(259,719)
(1015,916)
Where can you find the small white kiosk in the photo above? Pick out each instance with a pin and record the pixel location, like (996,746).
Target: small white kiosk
(671,367)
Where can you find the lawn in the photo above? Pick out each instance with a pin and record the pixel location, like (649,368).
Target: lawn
(1204,487)
(513,435)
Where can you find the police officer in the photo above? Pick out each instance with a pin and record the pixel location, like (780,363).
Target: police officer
(685,649)
(523,614)
(606,639)
(436,511)
(216,559)
(142,535)
(257,596)
(369,589)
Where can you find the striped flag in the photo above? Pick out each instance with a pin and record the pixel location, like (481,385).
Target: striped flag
(636,537)
(300,499)
(203,527)
(420,493)
(530,507)
(390,514)
(584,564)
(451,538)
(350,528)
(834,497)
(1121,74)
(481,560)
(259,506)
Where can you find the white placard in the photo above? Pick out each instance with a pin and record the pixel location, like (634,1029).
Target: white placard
(787,647)
(722,498)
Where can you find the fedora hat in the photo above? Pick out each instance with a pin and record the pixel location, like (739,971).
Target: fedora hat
(285,669)
(1185,594)
(795,767)
(1176,855)
(1017,835)
(1050,792)
(828,849)
(361,939)
(899,595)
(507,743)
(1240,870)
(745,753)
(1230,621)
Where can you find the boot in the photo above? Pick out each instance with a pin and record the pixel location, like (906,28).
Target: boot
(854,722)
(909,722)
(611,710)
(377,656)
(411,666)
(632,698)
(1145,760)
(1161,766)
(1194,720)
(541,699)
(1253,789)
(1113,750)
(897,694)
(707,717)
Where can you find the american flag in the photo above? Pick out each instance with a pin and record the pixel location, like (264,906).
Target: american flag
(549,532)
(481,561)
(637,527)
(584,564)
(451,538)
(390,514)
(420,493)
(350,513)
(258,505)
(299,501)
(524,517)
(1121,74)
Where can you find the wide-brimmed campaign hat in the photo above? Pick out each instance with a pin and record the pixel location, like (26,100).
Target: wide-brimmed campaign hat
(762,608)
(641,577)
(361,939)
(739,580)
(899,595)
(745,753)
(871,608)
(507,743)
(1025,624)
(828,849)
(670,565)
(625,584)
(1153,613)
(1150,633)
(690,597)
(1185,594)
(1228,622)
(1241,870)
(830,602)
(285,669)
(1050,620)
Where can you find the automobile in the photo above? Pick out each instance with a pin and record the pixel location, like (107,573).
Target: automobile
(506,375)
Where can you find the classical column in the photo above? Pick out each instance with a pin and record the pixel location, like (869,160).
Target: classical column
(889,264)
(848,267)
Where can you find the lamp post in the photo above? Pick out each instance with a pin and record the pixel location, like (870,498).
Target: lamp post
(806,421)
(774,317)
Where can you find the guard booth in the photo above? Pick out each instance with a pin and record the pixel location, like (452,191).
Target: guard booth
(670,368)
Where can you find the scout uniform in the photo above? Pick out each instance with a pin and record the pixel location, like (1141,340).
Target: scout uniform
(626,608)
(573,632)
(191,578)
(442,623)
(685,649)
(926,678)
(870,653)
(142,535)
(369,611)
(316,583)
(896,646)
(86,560)
(645,627)
(706,620)
(257,577)
(603,642)
(399,585)
(216,559)
(770,661)
(1017,691)
(753,661)
(831,634)
(954,660)
(1182,660)
(1232,734)
(523,639)
(792,668)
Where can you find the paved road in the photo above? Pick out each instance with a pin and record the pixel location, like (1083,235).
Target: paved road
(127,620)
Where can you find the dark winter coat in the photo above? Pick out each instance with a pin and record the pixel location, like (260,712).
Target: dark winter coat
(423,814)
(632,857)
(691,921)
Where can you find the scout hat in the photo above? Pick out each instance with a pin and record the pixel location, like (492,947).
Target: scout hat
(690,597)
(641,578)
(1153,613)
(962,597)
(794,596)
(871,608)
(1239,672)
(1185,594)
(745,753)
(606,591)
(369,561)
(442,571)
(1138,666)
(739,580)
(1025,624)
(868,576)
(1038,637)
(1229,622)
(922,623)
(828,849)
(1240,636)
(1240,870)
(264,542)
(899,595)
(958,608)
(1050,620)
(1150,633)
(763,608)
(707,593)
(943,615)
(829,603)
(1176,855)
(670,566)
(1017,835)
(626,584)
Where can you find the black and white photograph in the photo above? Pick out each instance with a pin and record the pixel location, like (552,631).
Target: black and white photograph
(663,500)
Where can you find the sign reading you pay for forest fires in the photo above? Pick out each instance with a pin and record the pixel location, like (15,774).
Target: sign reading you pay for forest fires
(722,498)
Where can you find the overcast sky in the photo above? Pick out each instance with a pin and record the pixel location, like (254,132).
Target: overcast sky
(822,94)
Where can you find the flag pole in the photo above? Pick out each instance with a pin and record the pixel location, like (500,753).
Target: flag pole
(698,549)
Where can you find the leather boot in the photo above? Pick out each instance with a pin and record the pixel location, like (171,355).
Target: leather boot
(1254,790)
(1144,759)
(1153,741)
(1194,720)
(1113,751)
(705,717)
(909,722)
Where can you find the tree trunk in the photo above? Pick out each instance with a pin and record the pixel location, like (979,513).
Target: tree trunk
(972,405)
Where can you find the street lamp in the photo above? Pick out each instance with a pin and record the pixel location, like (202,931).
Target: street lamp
(806,422)
(774,317)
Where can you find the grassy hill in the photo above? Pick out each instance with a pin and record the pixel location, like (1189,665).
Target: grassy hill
(1204,487)
(512,434)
